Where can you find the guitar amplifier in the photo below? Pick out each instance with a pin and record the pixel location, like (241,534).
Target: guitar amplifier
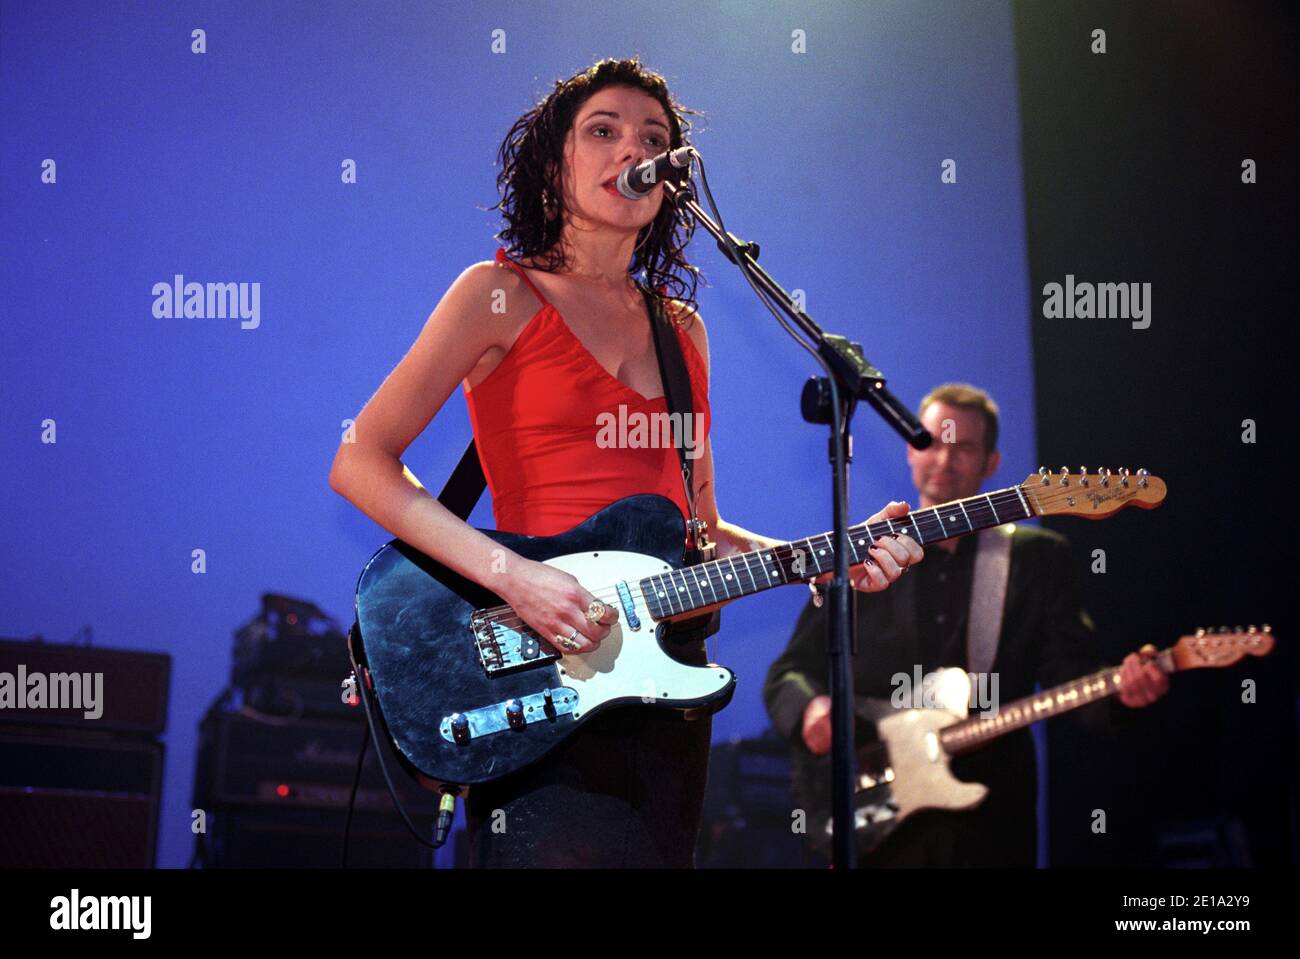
(292,764)
(278,697)
(276,795)
(76,801)
(53,684)
(289,637)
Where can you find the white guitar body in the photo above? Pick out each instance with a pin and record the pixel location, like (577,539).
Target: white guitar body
(920,777)
(907,771)
(630,665)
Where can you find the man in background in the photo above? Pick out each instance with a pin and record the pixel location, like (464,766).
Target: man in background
(1045,636)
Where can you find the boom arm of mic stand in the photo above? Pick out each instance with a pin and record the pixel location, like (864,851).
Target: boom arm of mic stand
(850,368)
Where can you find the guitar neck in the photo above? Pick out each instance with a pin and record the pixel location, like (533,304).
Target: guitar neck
(975,732)
(717,581)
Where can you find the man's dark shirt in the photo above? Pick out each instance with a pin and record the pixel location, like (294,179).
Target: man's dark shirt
(921,619)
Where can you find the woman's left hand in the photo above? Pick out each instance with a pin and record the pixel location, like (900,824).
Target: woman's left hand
(890,556)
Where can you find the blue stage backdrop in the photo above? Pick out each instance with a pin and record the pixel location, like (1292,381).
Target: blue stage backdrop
(130,159)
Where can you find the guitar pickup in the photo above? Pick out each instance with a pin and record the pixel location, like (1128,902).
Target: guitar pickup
(629,608)
(513,715)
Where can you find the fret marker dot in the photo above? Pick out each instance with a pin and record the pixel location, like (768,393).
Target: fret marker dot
(728,576)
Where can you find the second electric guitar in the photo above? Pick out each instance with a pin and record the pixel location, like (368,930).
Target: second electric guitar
(906,770)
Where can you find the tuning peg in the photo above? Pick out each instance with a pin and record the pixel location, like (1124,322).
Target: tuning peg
(1083,476)
(1105,476)
(1142,478)
(1065,476)
(1201,631)
(1042,471)
(1252,629)
(1267,628)
(1123,476)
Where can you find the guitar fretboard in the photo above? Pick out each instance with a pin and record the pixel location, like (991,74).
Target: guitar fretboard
(970,733)
(722,580)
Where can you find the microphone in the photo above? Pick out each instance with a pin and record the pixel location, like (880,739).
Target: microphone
(636,181)
(900,417)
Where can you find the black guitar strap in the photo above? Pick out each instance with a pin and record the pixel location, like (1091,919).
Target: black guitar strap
(681,404)
(681,401)
(465,485)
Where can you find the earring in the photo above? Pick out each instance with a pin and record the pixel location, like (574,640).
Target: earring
(548,204)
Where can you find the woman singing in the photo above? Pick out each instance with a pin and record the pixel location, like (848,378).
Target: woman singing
(545,338)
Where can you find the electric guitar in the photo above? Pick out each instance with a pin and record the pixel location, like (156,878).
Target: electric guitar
(469,693)
(906,770)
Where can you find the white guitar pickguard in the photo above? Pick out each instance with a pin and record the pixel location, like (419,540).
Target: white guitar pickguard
(629,664)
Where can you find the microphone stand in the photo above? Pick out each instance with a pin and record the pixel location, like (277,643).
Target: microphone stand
(830,400)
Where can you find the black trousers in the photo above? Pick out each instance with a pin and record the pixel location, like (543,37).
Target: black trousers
(624,791)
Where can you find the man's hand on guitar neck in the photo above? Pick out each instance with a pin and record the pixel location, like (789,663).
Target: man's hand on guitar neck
(1141,682)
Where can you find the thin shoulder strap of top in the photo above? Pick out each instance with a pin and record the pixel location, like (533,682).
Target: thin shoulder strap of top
(502,258)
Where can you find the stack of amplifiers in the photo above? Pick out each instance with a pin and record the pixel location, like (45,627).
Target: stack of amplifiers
(80,781)
(275,793)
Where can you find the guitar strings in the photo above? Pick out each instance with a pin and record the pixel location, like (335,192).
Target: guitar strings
(1042,496)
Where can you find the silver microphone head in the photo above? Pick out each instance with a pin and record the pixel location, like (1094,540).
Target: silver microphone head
(637,181)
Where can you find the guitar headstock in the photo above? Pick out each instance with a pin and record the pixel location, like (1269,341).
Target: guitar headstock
(1091,495)
(1209,649)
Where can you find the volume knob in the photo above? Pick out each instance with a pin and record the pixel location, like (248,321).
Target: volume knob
(460,728)
(515,714)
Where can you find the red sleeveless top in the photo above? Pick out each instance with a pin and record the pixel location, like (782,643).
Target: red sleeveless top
(560,437)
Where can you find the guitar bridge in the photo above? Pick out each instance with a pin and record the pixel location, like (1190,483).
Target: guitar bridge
(503,648)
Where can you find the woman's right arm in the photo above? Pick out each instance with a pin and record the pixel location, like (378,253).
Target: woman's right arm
(370,474)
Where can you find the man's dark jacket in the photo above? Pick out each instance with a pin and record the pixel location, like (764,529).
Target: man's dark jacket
(1046,637)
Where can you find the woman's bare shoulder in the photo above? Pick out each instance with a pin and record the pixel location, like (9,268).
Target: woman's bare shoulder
(691,321)
(486,277)
(488,292)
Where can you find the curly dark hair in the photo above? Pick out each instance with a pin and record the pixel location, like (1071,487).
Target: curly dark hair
(533,152)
